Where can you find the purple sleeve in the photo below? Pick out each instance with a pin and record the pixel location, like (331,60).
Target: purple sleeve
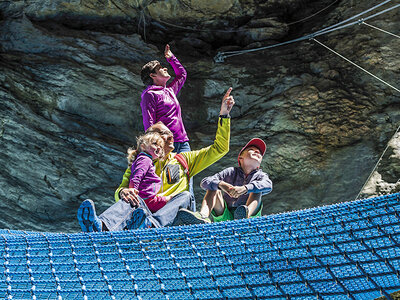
(211,182)
(138,171)
(260,184)
(148,105)
(180,73)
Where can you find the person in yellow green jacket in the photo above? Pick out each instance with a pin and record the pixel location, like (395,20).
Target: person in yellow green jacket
(130,214)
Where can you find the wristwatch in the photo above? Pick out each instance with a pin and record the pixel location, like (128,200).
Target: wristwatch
(225,116)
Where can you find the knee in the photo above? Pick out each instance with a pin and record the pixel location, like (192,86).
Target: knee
(185,194)
(211,194)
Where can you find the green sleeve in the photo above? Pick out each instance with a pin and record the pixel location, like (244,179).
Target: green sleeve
(124,183)
(203,158)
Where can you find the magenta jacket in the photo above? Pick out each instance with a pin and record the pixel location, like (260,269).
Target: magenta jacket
(160,103)
(144,177)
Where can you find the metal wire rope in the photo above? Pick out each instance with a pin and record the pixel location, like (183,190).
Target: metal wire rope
(356,22)
(222,55)
(354,64)
(376,165)
(143,16)
(356,16)
(313,15)
(377,28)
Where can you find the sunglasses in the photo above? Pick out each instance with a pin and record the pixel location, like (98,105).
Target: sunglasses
(156,68)
(161,132)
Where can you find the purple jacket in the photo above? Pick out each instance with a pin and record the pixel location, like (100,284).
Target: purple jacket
(256,182)
(144,177)
(160,103)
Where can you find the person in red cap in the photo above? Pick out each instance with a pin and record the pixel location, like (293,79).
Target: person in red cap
(235,192)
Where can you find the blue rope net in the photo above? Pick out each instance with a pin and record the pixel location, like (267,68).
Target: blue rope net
(342,251)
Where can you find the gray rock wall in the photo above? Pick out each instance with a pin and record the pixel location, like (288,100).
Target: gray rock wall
(70,93)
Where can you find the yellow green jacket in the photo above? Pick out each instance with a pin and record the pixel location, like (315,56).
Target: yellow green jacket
(197,161)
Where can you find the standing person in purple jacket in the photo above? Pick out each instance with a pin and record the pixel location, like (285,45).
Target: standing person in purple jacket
(235,192)
(159,102)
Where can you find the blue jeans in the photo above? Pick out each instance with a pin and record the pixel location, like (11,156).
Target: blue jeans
(167,214)
(181,147)
(117,215)
(185,147)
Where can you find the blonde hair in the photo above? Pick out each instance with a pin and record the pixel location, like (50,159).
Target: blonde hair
(142,142)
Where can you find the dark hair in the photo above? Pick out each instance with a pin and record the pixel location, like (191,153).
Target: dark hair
(147,69)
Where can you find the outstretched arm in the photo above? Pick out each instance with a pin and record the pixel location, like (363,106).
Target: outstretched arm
(201,159)
(179,70)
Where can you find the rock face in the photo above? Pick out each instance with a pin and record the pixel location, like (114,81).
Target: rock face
(385,177)
(70,94)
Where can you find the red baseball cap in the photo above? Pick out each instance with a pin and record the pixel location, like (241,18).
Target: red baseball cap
(256,142)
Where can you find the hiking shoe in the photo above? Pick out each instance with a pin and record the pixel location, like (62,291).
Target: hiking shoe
(187,217)
(87,217)
(138,220)
(241,212)
(177,221)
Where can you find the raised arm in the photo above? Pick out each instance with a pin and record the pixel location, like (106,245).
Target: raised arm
(201,159)
(179,70)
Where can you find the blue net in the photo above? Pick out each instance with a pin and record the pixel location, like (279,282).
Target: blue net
(342,251)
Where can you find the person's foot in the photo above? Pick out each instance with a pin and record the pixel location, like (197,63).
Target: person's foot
(138,220)
(187,217)
(87,217)
(241,212)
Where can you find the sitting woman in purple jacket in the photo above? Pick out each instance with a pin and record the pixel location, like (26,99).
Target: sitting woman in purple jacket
(159,102)
(143,174)
(143,181)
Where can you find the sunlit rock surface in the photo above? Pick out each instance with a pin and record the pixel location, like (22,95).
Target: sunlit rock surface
(70,93)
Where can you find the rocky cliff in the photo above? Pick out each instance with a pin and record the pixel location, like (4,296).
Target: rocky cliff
(70,93)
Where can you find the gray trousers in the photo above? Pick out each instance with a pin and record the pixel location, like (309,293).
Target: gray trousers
(117,215)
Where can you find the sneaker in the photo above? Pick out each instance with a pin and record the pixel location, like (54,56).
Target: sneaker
(138,220)
(177,221)
(87,217)
(241,212)
(187,217)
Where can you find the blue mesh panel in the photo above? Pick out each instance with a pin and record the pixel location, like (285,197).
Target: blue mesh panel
(343,251)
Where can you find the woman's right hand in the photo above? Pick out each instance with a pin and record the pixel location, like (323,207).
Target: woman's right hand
(129,195)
